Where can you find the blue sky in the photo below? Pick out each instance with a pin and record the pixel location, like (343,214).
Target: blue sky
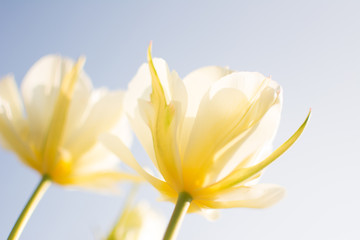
(312,48)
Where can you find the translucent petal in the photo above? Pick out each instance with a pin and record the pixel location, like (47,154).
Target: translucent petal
(114,144)
(237,176)
(101,117)
(163,126)
(56,129)
(255,141)
(213,122)
(13,141)
(40,90)
(138,97)
(248,82)
(198,82)
(257,196)
(104,181)
(10,96)
(232,126)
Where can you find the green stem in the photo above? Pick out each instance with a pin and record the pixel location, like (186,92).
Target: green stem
(181,207)
(29,208)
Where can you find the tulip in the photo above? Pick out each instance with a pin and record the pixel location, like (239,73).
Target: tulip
(209,136)
(138,221)
(55,131)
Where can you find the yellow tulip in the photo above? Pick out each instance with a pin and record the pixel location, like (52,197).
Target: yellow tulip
(56,130)
(209,136)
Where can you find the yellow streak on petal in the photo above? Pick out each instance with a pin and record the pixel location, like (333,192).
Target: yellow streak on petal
(56,128)
(240,175)
(163,129)
(157,95)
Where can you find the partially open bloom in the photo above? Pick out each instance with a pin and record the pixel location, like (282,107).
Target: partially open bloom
(55,131)
(138,222)
(210,135)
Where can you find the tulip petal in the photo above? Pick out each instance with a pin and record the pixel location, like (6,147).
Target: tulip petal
(55,134)
(40,89)
(114,144)
(230,128)
(249,146)
(257,196)
(198,82)
(12,123)
(164,129)
(213,121)
(100,117)
(99,180)
(9,94)
(13,141)
(237,176)
(138,95)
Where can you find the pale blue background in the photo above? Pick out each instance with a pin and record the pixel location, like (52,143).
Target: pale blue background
(312,48)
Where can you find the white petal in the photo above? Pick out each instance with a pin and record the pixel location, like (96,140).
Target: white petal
(104,114)
(257,196)
(80,106)
(257,143)
(215,120)
(98,159)
(10,96)
(248,82)
(142,131)
(263,113)
(40,90)
(123,130)
(198,82)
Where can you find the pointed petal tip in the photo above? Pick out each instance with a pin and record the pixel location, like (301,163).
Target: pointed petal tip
(81,61)
(306,120)
(149,57)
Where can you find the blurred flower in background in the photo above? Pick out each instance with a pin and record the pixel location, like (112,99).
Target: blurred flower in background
(138,222)
(55,131)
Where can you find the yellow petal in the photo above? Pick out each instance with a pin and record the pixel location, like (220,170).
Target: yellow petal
(100,180)
(215,119)
(40,90)
(139,109)
(257,196)
(12,123)
(242,174)
(13,140)
(248,148)
(164,129)
(221,129)
(58,120)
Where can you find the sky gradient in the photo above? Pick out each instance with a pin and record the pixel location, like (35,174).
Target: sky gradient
(311,48)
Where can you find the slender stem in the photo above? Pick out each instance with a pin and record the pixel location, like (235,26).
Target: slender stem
(181,207)
(29,208)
